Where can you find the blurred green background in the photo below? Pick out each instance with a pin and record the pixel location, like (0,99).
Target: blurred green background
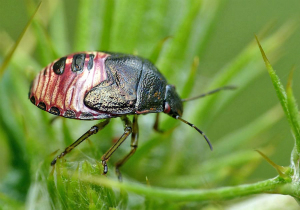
(216,31)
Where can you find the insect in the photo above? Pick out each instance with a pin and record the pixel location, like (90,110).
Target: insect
(103,85)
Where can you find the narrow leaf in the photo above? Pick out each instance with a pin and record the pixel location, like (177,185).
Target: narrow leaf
(107,24)
(176,49)
(294,113)
(189,84)
(59,30)
(156,51)
(243,64)
(276,82)
(287,101)
(82,25)
(280,169)
(10,54)
(243,135)
(45,49)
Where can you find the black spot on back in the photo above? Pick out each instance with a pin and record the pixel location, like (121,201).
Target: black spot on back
(32,99)
(78,62)
(45,71)
(54,110)
(70,114)
(59,66)
(91,62)
(42,105)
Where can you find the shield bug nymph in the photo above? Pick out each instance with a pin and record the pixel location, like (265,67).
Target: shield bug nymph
(103,85)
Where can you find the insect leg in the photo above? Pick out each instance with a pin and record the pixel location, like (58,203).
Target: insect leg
(127,132)
(90,132)
(155,126)
(134,145)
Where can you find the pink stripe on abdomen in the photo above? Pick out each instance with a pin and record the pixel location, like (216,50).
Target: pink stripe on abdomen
(67,90)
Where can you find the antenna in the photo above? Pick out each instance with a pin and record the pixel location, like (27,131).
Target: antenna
(209,93)
(190,124)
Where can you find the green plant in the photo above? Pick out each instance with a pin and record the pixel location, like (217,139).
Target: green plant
(166,167)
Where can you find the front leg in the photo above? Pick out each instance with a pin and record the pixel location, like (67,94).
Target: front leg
(156,124)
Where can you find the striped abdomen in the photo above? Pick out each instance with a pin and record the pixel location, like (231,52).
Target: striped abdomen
(60,88)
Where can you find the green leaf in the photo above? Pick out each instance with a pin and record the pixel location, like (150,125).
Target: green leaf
(242,69)
(11,52)
(45,50)
(82,33)
(288,102)
(58,31)
(242,136)
(157,50)
(276,82)
(107,18)
(177,46)
(189,84)
(294,115)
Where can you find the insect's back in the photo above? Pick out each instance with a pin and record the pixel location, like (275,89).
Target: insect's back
(134,85)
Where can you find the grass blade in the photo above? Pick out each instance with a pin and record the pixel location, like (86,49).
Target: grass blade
(294,115)
(10,54)
(82,33)
(231,74)
(276,82)
(176,49)
(107,24)
(236,139)
(189,84)
(287,102)
(60,40)
(157,50)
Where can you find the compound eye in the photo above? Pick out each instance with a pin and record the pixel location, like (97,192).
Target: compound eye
(167,108)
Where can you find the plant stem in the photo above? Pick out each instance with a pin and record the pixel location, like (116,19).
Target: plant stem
(223,193)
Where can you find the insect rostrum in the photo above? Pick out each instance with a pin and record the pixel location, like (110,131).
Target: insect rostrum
(102,85)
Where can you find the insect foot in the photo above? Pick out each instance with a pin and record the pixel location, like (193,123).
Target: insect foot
(105,168)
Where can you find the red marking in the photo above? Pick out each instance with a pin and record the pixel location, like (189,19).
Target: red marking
(167,108)
(67,91)
(142,112)
(115,139)
(39,87)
